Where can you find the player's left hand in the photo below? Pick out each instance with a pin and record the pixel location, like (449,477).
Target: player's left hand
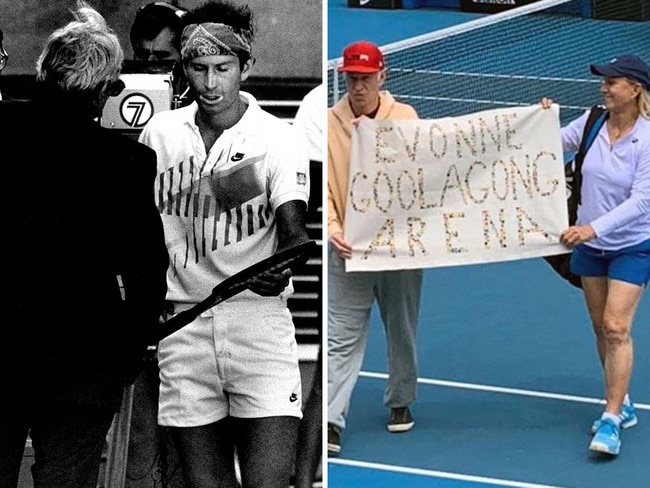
(270,284)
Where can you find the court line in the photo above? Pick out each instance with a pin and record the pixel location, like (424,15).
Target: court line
(501,389)
(437,474)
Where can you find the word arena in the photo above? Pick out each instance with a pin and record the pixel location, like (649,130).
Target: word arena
(479,188)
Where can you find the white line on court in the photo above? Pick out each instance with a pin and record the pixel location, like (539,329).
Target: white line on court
(500,389)
(436,474)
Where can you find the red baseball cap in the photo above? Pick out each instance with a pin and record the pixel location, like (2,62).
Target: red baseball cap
(362,57)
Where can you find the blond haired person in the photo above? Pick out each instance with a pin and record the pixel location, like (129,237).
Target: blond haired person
(87,261)
(611,239)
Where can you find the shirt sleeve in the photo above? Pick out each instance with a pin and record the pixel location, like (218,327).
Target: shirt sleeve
(309,120)
(288,170)
(635,205)
(572,133)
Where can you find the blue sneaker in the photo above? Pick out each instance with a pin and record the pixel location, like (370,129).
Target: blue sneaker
(628,418)
(607,438)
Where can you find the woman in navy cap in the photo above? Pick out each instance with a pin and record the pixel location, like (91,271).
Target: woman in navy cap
(611,238)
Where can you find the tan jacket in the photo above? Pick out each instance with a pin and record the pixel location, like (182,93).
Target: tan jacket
(339,136)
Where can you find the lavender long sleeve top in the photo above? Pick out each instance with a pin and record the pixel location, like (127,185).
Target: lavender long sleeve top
(615,185)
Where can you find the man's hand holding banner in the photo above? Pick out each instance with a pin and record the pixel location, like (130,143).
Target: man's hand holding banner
(479,188)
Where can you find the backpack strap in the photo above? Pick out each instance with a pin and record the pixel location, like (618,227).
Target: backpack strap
(595,121)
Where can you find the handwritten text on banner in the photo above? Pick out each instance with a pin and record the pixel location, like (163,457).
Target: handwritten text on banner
(479,188)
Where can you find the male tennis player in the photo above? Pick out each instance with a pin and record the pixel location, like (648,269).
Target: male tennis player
(232,189)
(351,295)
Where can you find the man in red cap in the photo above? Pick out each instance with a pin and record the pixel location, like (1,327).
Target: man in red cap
(351,295)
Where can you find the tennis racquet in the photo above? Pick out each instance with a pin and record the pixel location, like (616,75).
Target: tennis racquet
(289,258)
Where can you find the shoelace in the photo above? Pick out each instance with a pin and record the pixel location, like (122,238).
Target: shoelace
(610,430)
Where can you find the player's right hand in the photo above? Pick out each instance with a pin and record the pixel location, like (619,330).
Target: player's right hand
(340,245)
(357,120)
(270,283)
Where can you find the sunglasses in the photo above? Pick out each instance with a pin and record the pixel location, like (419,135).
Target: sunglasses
(115,87)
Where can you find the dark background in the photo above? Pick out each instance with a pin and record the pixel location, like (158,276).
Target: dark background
(288,43)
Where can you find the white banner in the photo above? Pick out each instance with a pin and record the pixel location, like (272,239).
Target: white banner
(480,188)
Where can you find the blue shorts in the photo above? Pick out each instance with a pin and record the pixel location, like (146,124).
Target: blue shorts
(629,264)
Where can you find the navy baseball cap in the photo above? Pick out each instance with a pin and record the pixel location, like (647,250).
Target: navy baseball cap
(628,66)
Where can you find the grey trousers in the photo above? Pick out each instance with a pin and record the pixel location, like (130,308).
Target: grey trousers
(350,300)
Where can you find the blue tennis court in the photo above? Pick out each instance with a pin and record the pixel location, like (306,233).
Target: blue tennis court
(509,384)
(509,376)
(346,25)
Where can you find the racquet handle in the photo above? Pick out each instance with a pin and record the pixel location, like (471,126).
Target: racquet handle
(292,257)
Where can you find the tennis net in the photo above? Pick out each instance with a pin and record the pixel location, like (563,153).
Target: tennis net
(511,58)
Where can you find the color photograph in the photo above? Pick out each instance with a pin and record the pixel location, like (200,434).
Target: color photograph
(483,157)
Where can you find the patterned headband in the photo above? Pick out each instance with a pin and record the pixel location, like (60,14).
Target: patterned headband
(209,39)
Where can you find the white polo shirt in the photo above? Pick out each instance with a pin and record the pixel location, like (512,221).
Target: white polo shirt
(218,208)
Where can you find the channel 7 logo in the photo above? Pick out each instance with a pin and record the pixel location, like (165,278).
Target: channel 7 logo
(136,109)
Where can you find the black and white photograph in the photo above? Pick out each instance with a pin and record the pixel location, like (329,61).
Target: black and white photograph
(163,322)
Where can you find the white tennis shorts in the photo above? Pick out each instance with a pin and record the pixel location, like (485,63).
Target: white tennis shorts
(240,359)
